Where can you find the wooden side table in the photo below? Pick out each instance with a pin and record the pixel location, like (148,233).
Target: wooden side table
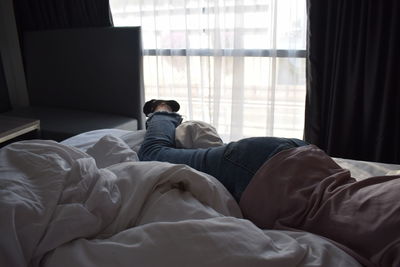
(12,127)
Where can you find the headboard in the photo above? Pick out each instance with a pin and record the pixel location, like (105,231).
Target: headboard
(93,69)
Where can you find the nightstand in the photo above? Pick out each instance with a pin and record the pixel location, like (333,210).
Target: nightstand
(14,127)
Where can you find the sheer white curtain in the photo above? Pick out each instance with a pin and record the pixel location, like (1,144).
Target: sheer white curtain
(237,64)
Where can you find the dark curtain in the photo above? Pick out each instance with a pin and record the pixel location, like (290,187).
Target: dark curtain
(353,79)
(5,104)
(57,14)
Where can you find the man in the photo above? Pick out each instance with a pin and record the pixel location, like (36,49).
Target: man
(286,184)
(233,164)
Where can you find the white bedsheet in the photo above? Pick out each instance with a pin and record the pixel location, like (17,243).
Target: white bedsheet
(59,209)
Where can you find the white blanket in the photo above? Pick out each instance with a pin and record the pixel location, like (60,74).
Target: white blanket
(58,208)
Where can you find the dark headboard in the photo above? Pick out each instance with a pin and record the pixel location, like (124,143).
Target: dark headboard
(94,69)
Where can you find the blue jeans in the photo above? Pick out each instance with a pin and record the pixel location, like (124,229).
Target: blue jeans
(233,164)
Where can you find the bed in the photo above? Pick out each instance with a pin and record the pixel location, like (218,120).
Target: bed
(88,201)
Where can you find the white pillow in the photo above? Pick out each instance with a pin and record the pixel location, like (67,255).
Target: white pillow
(196,134)
(110,150)
(134,139)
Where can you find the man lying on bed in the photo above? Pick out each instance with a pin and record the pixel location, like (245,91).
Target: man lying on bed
(283,183)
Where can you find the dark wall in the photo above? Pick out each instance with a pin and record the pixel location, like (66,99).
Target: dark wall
(4,97)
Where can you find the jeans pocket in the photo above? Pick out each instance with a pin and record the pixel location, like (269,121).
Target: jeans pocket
(240,155)
(251,153)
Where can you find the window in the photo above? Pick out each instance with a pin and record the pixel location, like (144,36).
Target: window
(239,65)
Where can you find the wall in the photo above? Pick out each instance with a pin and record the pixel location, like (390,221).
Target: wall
(11,57)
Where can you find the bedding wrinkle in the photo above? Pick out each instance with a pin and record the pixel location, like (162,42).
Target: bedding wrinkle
(87,207)
(31,180)
(389,255)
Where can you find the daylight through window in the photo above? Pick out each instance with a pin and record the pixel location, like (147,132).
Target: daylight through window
(239,65)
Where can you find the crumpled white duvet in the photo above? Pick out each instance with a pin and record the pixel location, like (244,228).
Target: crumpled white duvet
(59,209)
